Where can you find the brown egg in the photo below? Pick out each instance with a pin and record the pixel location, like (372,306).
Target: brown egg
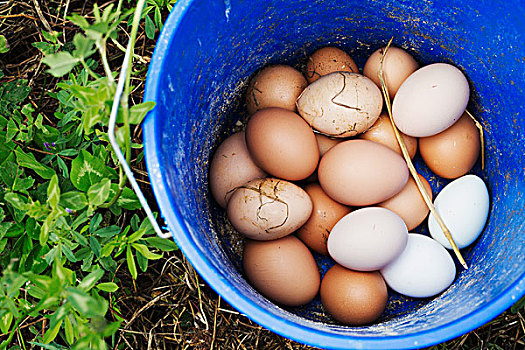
(328,60)
(361,172)
(453,152)
(352,297)
(269,208)
(383,133)
(397,66)
(231,167)
(324,143)
(282,270)
(282,144)
(275,86)
(409,204)
(325,214)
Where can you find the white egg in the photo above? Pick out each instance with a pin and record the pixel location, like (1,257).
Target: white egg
(464,207)
(422,270)
(367,239)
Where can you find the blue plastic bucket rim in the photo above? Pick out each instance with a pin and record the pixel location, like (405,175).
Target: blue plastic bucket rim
(231,293)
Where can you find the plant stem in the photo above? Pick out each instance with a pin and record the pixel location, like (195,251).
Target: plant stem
(411,167)
(102,50)
(481,138)
(90,72)
(121,184)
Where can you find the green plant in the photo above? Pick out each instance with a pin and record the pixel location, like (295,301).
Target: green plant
(156,7)
(63,192)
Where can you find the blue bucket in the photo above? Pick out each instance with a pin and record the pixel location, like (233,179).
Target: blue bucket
(206,53)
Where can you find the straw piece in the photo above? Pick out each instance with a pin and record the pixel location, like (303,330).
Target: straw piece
(410,165)
(481,137)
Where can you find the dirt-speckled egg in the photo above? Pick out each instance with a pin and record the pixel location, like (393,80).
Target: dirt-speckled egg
(325,214)
(362,172)
(341,104)
(367,239)
(231,167)
(328,60)
(282,144)
(266,209)
(282,270)
(275,86)
(353,297)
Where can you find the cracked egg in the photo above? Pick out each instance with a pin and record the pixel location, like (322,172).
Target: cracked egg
(341,104)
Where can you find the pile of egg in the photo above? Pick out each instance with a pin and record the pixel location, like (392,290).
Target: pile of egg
(325,131)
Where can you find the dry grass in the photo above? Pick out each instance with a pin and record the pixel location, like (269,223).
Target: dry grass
(170,307)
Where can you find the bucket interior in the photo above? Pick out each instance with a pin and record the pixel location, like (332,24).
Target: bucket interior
(203,61)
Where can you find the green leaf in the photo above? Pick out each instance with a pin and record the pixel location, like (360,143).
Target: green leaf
(95,246)
(78,20)
(14,286)
(15,92)
(12,130)
(106,250)
(142,261)
(86,170)
(85,304)
(150,28)
(109,287)
(70,334)
(138,112)
(16,201)
(53,192)
(4,46)
(136,236)
(164,244)
(9,173)
(68,152)
(63,167)
(98,193)
(52,333)
(131,262)
(128,199)
(95,222)
(48,346)
(27,160)
(109,231)
(51,36)
(44,230)
(44,47)
(68,253)
(5,322)
(73,200)
(23,184)
(158,18)
(60,63)
(83,46)
(146,252)
(90,280)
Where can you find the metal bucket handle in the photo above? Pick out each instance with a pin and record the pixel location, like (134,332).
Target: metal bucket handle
(116,148)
